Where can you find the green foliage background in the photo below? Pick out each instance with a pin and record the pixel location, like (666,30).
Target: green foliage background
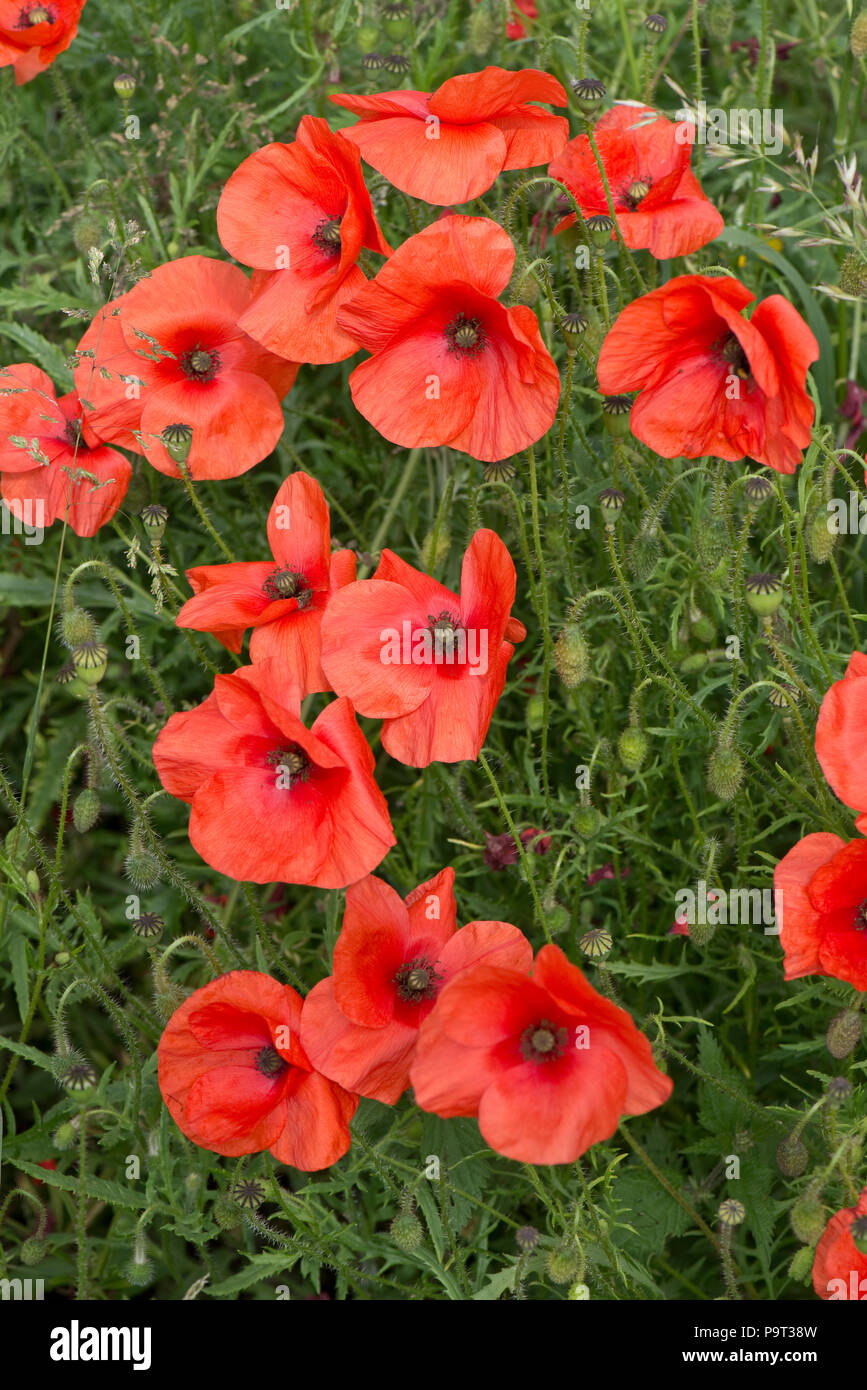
(637,1216)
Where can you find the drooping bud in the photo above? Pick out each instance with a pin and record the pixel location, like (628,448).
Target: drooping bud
(434,548)
(711,544)
(90,660)
(844,1033)
(586,820)
(406,1231)
(483,32)
(632,747)
(571,656)
(85,810)
(535,711)
(33,1251)
(725,772)
(65,1136)
(821,539)
(764,594)
(87,232)
(853,272)
(142,868)
(563,1264)
(643,555)
(718,18)
(703,629)
(792,1157)
(225,1213)
(76,626)
(807,1219)
(858,35)
(695,662)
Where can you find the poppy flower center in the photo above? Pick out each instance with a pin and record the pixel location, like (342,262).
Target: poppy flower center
(444,622)
(417,980)
(270,1063)
(543,1042)
(327,236)
(466,337)
(860,922)
(636,192)
(37,15)
(734,354)
(292,762)
(200,365)
(72,434)
(288,583)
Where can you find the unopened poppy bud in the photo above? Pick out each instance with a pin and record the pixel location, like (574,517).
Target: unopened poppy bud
(33,1250)
(821,540)
(153,518)
(858,35)
(61,959)
(573,327)
(563,1265)
(643,555)
(807,1219)
(758,488)
(168,998)
(558,918)
(139,1270)
(725,772)
(85,810)
(225,1213)
(853,274)
(406,1231)
(148,926)
(65,1136)
(124,85)
(599,228)
(178,440)
(142,868)
(858,1232)
(731,1212)
(596,943)
(695,662)
(801,1268)
(31,878)
(611,500)
(655,25)
(535,711)
(76,626)
(711,544)
(571,657)
(718,18)
(792,1157)
(434,548)
(844,1033)
(589,94)
(586,821)
(87,232)
(616,411)
(703,629)
(90,660)
(764,594)
(632,747)
(483,32)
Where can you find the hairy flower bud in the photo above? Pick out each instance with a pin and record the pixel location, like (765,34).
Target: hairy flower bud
(821,540)
(632,747)
(725,772)
(643,555)
(807,1219)
(406,1231)
(858,35)
(85,810)
(844,1033)
(32,1252)
(76,626)
(142,868)
(586,821)
(563,1265)
(792,1157)
(571,656)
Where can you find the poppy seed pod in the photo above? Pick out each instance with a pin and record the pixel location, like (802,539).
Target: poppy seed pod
(589,94)
(655,26)
(611,500)
(615,414)
(153,519)
(596,943)
(178,440)
(599,228)
(90,660)
(125,85)
(69,678)
(758,488)
(764,594)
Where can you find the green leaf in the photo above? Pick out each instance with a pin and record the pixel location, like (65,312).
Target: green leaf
(498,1284)
(97,1189)
(40,351)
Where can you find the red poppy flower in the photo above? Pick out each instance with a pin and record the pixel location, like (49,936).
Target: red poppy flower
(711,381)
(451,365)
(515,28)
(839,1267)
(840,737)
(822,908)
(204,372)
(546,1064)
(281,599)
(429,663)
(657,199)
(274,802)
(392,958)
(52,471)
(300,214)
(449,146)
(236,1079)
(33,33)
